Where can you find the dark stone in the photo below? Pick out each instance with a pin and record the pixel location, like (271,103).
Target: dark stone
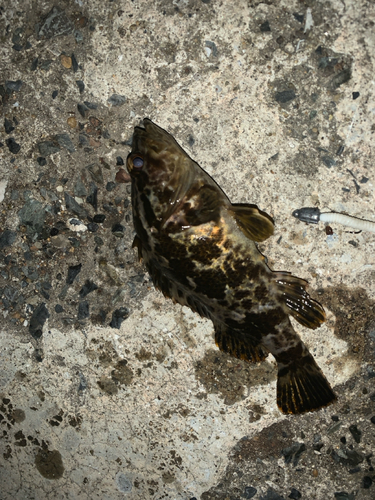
(49,464)
(34,64)
(13,146)
(92,227)
(74,207)
(90,105)
(264,27)
(293,453)
(373,420)
(356,433)
(82,109)
(96,173)
(295,494)
(328,161)
(47,148)
(7,238)
(249,492)
(364,180)
(285,96)
(58,308)
(118,230)
(65,141)
(271,494)
(13,86)
(54,231)
(99,218)
(110,186)
(340,150)
(343,495)
(87,288)
(73,272)
(351,458)
(212,46)
(83,310)
(55,24)
(299,17)
(8,125)
(75,64)
(119,161)
(355,95)
(117,100)
(55,94)
(118,317)
(81,86)
(41,161)
(37,320)
(32,215)
(367,482)
(341,78)
(92,198)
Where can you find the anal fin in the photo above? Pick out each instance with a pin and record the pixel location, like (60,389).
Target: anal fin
(238,344)
(302,387)
(300,305)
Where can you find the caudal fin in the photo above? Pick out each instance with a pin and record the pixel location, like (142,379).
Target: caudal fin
(302,387)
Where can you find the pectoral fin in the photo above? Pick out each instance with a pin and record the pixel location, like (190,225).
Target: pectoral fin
(256,225)
(300,305)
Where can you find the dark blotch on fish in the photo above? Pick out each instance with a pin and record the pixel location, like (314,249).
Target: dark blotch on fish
(200,251)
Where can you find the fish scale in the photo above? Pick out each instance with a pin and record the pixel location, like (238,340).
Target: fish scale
(200,251)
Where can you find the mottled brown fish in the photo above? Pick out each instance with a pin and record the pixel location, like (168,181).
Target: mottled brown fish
(200,250)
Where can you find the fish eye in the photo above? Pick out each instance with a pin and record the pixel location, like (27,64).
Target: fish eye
(137,162)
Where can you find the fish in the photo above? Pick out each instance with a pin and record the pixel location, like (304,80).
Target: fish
(201,251)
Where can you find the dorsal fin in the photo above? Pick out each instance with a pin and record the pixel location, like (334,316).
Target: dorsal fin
(255,224)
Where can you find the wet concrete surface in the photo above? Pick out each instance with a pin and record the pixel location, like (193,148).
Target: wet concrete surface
(109,390)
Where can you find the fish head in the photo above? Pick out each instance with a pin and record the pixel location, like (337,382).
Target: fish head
(160,169)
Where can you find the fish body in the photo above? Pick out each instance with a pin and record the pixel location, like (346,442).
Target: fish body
(200,250)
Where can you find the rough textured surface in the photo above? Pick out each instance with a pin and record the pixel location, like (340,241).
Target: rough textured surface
(107,389)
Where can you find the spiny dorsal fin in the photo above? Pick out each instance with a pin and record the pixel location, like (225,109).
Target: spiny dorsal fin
(300,305)
(256,225)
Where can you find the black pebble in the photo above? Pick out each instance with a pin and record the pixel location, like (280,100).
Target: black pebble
(74,64)
(83,310)
(118,230)
(249,492)
(7,238)
(34,64)
(42,161)
(59,308)
(355,95)
(367,482)
(295,494)
(285,96)
(117,100)
(118,317)
(373,419)
(87,288)
(82,110)
(73,272)
(110,186)
(54,94)
(54,231)
(298,17)
(99,218)
(264,27)
(90,105)
(8,125)
(356,433)
(92,227)
(13,146)
(80,85)
(119,161)
(14,86)
(335,418)
(37,320)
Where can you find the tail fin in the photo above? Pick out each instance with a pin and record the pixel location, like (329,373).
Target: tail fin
(300,305)
(301,386)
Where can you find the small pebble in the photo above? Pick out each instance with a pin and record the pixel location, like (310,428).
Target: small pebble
(122,176)
(55,94)
(72,122)
(66,61)
(13,146)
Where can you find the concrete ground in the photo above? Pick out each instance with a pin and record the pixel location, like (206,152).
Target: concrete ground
(107,389)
